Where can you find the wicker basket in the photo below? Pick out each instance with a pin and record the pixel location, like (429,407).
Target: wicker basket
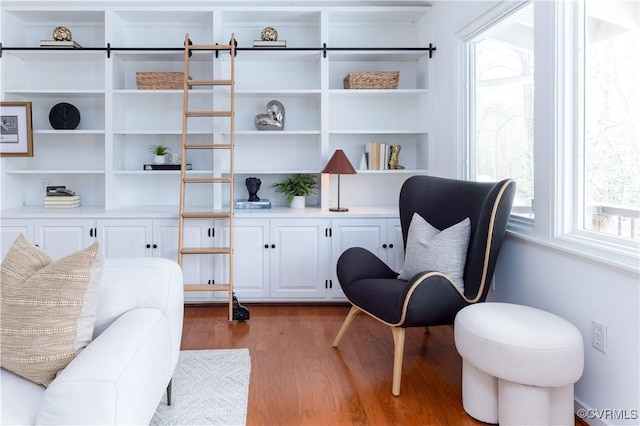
(372,80)
(159,80)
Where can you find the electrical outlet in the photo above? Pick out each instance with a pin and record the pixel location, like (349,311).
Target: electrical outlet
(45,182)
(599,336)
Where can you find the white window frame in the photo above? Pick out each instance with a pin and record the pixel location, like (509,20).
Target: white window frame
(556,160)
(568,230)
(466,168)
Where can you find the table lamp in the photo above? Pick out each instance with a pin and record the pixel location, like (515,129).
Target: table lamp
(339,165)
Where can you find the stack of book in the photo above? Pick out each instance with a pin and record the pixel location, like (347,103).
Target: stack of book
(377,155)
(70,44)
(269,43)
(61,201)
(245,204)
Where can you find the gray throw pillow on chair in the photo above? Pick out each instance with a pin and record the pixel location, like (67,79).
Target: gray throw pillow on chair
(429,249)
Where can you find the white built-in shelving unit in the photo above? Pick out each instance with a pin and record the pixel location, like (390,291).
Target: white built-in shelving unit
(103,158)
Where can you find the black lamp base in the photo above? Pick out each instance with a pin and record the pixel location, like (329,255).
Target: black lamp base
(338,209)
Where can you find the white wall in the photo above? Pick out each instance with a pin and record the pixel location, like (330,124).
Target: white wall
(540,275)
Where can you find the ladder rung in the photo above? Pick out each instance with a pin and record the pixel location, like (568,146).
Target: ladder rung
(206,215)
(208,113)
(201,82)
(207,180)
(207,287)
(206,250)
(208,146)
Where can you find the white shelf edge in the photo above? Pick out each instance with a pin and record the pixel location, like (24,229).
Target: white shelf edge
(55,172)
(68,132)
(274,132)
(86,92)
(368,92)
(156,132)
(250,92)
(378,132)
(401,171)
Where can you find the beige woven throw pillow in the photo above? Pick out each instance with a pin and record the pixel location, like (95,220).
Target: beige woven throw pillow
(47,308)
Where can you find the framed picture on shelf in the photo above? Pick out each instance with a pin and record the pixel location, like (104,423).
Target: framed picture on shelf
(16,137)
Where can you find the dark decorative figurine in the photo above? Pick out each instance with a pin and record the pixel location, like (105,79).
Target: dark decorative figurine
(253,186)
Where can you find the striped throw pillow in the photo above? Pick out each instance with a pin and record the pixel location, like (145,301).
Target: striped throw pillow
(47,308)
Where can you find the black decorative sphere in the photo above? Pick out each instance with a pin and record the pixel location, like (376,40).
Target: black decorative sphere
(64,116)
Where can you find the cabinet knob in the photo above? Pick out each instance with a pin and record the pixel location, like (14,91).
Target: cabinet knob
(148,246)
(155,246)
(390,245)
(266,246)
(384,246)
(273,246)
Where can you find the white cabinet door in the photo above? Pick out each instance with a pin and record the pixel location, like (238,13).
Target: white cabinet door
(196,269)
(299,263)
(126,237)
(62,237)
(395,247)
(10,230)
(346,233)
(251,254)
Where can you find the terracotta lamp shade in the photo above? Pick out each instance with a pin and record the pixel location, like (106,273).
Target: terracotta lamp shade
(339,165)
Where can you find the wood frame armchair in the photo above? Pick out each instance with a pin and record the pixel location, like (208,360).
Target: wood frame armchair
(429,298)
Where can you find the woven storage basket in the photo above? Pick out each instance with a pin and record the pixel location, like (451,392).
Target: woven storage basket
(372,80)
(159,80)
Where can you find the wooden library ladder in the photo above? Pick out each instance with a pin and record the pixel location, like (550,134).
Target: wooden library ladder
(222,170)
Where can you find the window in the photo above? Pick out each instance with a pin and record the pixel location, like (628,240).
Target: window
(500,105)
(607,118)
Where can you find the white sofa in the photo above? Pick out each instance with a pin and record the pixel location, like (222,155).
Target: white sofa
(120,377)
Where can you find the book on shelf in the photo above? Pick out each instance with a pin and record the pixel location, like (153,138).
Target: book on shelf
(378,155)
(166,167)
(62,205)
(267,43)
(61,198)
(60,43)
(246,204)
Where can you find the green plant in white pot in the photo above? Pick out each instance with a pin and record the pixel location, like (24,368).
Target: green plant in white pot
(296,188)
(160,152)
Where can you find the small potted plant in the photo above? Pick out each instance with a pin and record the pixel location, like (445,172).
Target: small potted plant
(159,152)
(296,188)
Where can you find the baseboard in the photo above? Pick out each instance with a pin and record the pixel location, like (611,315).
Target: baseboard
(582,414)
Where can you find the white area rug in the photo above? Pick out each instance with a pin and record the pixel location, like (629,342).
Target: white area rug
(210,387)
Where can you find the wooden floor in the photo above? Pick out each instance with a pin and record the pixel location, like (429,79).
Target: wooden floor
(298,378)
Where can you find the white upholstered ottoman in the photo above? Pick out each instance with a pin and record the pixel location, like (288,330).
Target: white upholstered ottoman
(519,364)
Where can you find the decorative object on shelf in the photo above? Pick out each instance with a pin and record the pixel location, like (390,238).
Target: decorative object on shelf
(61,34)
(372,80)
(175,159)
(253,186)
(269,34)
(339,164)
(16,136)
(297,185)
(148,167)
(160,80)
(273,119)
(64,116)
(160,153)
(61,38)
(394,154)
(269,38)
(364,161)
